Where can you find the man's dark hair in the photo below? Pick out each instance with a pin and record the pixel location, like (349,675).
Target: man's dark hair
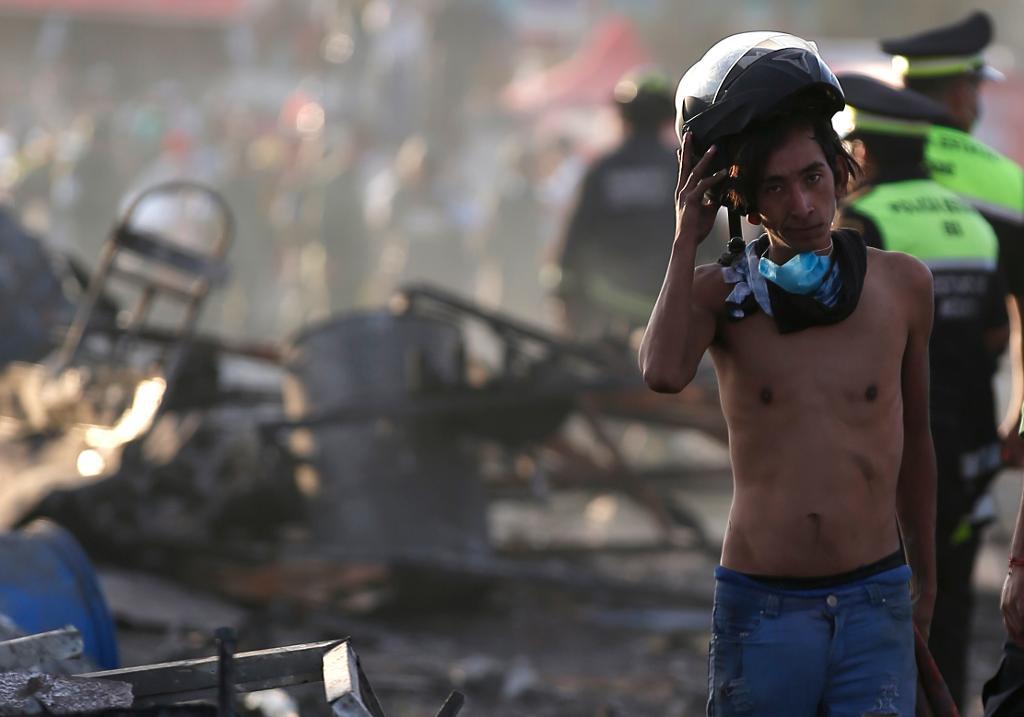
(749,152)
(648,111)
(887,150)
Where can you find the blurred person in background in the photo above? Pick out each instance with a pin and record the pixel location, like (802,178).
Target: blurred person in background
(248,185)
(515,233)
(343,230)
(613,253)
(897,207)
(99,185)
(33,192)
(422,238)
(946,65)
(468,61)
(562,168)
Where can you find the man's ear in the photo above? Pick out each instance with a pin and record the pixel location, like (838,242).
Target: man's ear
(754,219)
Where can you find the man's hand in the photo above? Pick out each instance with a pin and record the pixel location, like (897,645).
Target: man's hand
(1013,445)
(695,212)
(1011,604)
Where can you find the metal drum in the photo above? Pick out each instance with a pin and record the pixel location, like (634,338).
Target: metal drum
(383,484)
(47,582)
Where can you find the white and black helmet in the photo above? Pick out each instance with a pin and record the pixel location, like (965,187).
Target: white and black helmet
(747,77)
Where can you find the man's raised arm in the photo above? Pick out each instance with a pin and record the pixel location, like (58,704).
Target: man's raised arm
(915,496)
(682,326)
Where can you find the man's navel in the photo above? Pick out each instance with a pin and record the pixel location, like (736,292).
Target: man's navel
(815,519)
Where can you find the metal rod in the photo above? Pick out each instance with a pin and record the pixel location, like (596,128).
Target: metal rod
(226,643)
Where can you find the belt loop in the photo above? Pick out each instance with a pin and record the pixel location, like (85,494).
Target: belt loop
(875,593)
(771,605)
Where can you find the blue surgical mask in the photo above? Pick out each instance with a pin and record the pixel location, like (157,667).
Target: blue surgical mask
(802,274)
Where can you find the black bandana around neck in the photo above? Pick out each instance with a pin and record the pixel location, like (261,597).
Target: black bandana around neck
(795,312)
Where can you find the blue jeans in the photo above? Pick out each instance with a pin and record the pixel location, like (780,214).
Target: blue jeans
(847,651)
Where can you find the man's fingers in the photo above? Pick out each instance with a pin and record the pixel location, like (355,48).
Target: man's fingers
(708,182)
(685,157)
(702,166)
(683,174)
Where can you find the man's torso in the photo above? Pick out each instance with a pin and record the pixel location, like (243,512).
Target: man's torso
(815,428)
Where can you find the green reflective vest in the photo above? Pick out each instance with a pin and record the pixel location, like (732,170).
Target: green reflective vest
(921,218)
(988,181)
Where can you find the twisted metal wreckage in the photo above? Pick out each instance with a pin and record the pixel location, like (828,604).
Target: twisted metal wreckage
(378,438)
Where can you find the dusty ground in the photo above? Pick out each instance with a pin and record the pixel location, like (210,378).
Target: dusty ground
(522,650)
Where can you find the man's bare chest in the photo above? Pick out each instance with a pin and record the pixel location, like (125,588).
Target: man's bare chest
(857,359)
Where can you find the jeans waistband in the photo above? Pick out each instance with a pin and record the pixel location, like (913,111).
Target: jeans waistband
(895,576)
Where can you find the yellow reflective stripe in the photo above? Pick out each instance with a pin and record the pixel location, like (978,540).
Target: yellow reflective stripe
(935,66)
(870,122)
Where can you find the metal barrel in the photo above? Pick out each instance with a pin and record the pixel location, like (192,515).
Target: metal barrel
(47,582)
(384,487)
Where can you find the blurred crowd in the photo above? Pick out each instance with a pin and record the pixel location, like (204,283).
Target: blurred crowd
(360,143)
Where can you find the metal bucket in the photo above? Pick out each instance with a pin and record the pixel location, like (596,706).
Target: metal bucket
(384,486)
(47,582)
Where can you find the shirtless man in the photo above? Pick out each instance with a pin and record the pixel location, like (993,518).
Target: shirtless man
(828,432)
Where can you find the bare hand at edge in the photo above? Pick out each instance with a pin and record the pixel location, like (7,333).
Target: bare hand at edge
(1011,604)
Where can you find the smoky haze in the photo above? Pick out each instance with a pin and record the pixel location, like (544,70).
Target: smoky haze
(361,143)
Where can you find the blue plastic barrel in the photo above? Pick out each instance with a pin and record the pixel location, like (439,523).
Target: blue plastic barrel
(47,582)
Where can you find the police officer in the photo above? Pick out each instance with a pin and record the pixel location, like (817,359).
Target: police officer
(946,64)
(899,208)
(620,230)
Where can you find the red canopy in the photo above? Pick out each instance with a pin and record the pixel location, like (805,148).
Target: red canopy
(587,77)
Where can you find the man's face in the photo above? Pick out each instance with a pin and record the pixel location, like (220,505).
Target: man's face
(796,197)
(964,101)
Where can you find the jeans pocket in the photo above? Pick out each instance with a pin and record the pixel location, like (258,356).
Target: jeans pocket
(899,604)
(735,619)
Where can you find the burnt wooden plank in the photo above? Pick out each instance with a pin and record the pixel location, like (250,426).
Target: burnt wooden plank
(192,679)
(24,653)
(346,687)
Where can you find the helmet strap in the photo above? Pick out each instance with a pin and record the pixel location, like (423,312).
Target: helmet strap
(736,244)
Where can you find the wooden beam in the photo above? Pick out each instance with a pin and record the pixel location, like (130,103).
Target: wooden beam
(24,653)
(347,689)
(171,682)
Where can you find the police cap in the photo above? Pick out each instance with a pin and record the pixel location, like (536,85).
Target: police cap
(874,106)
(944,51)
